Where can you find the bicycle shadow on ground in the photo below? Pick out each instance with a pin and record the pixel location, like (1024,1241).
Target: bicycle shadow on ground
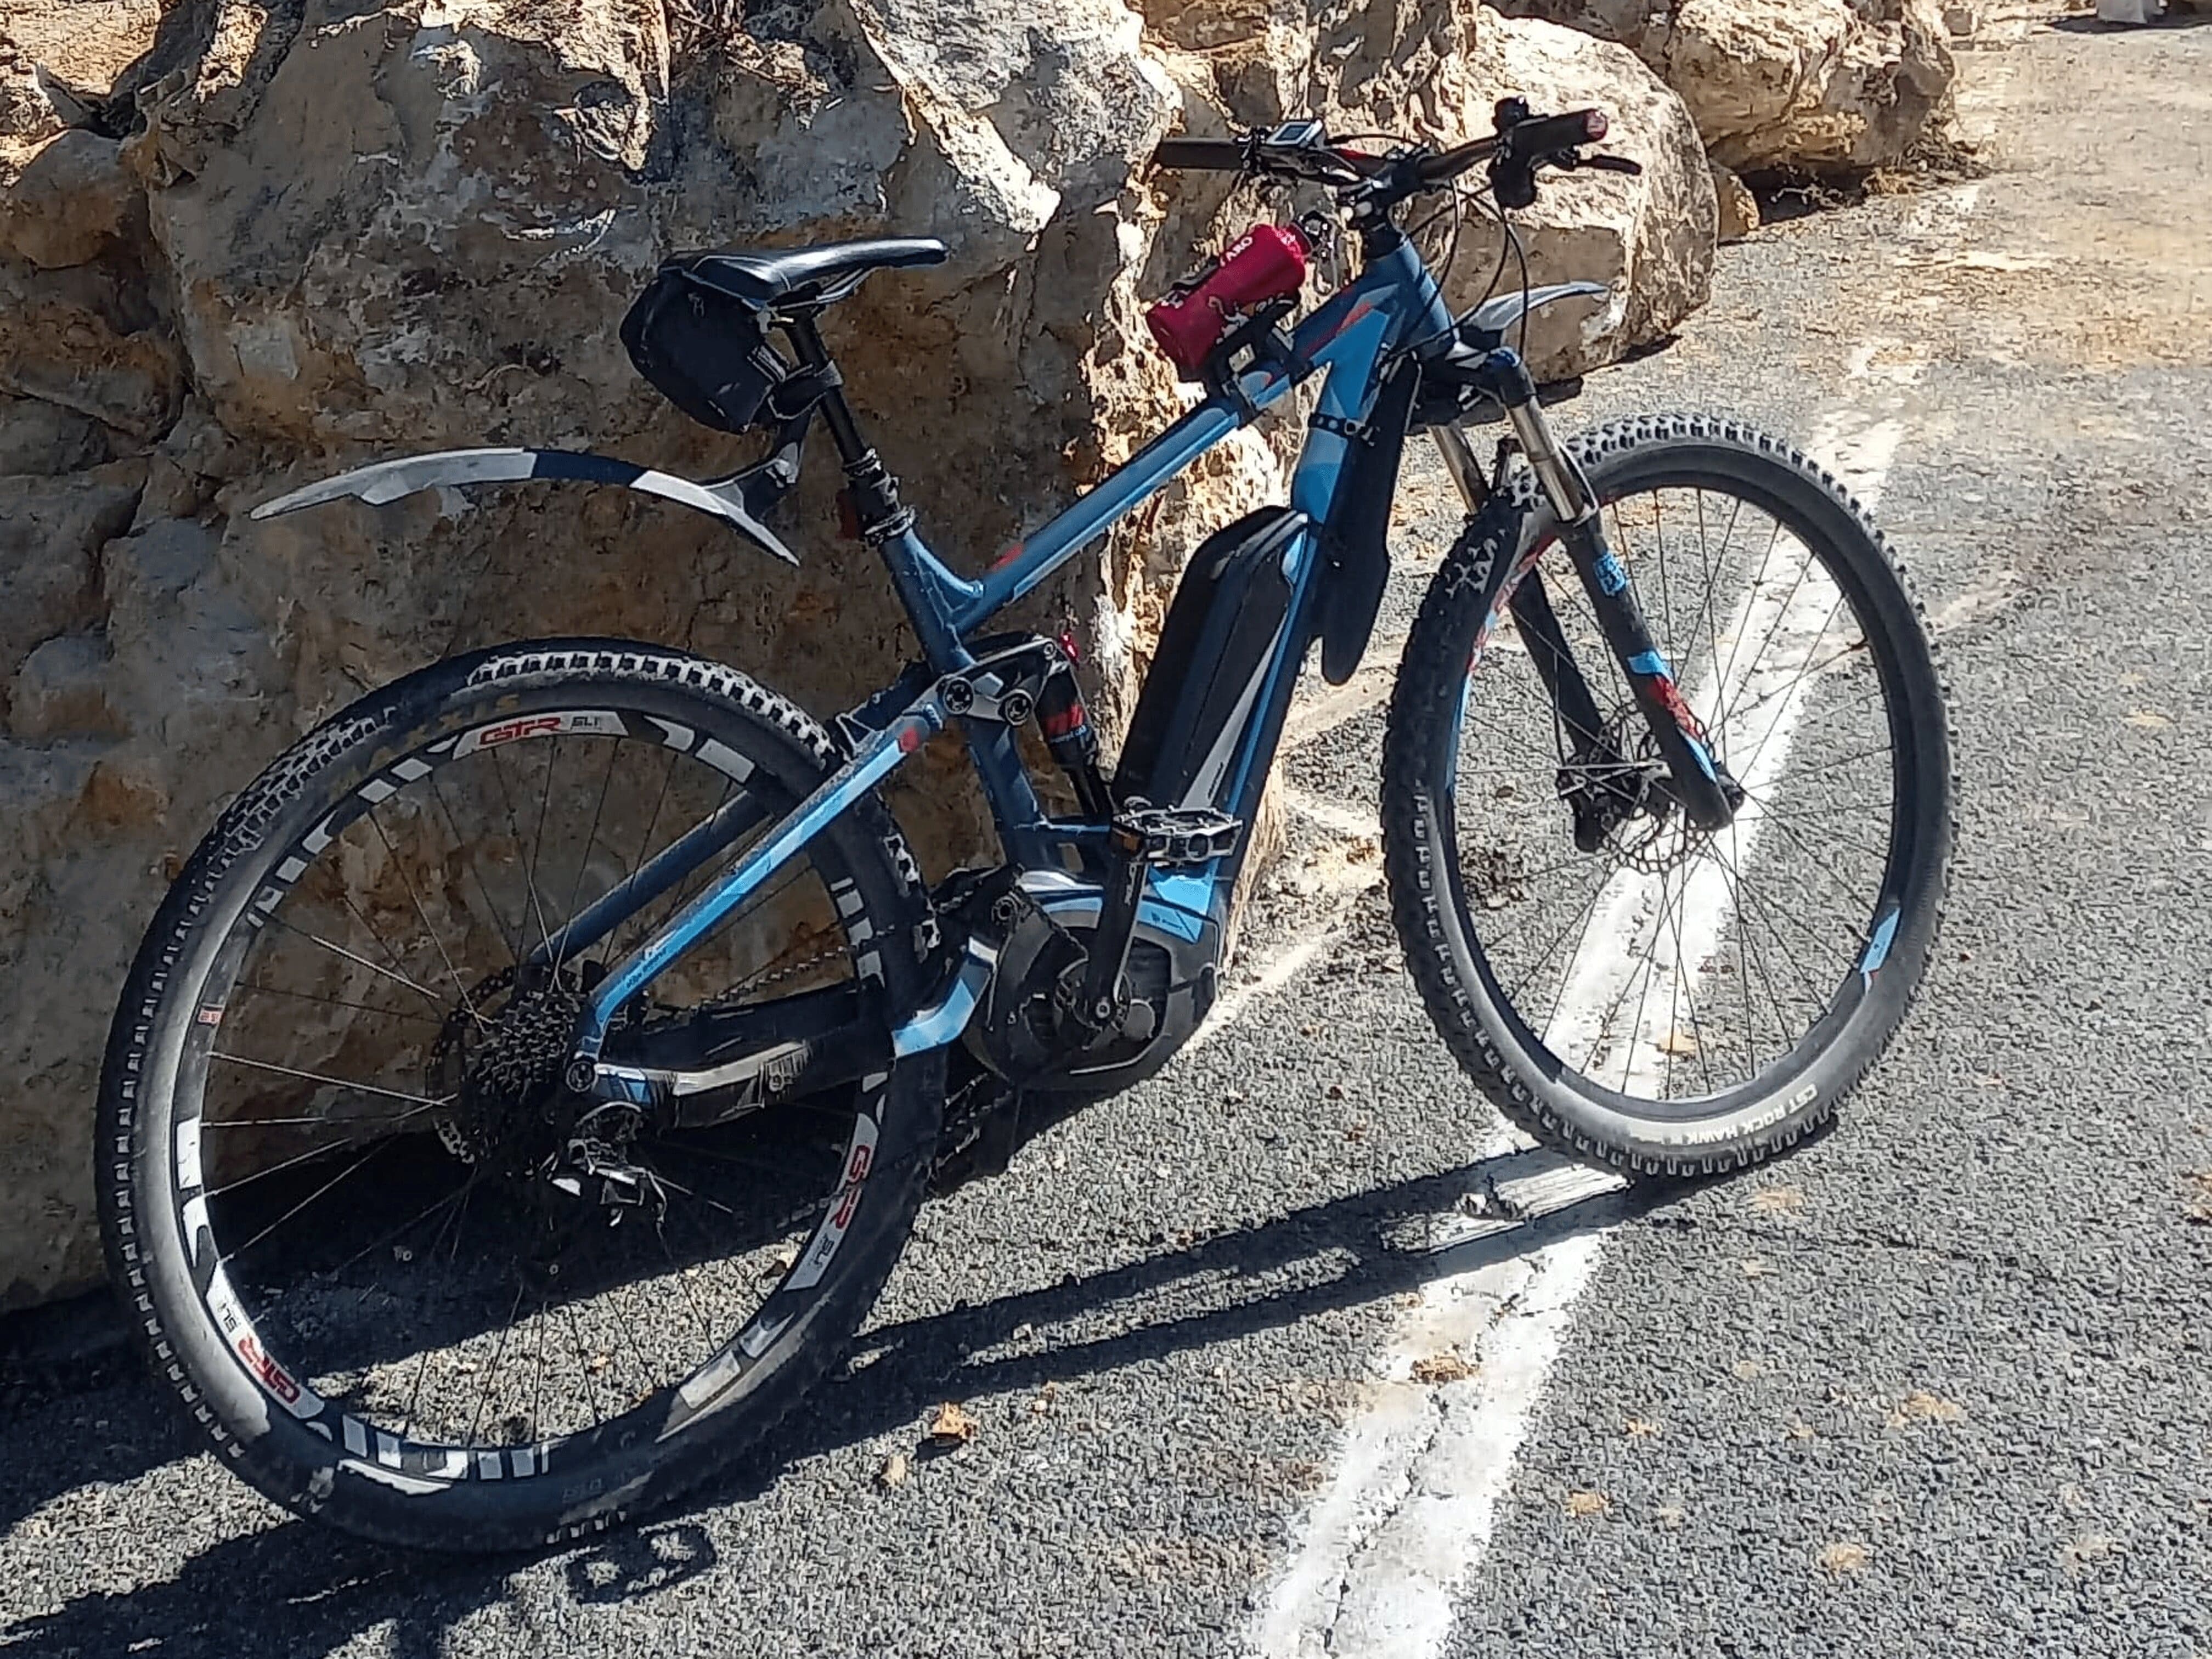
(2094,24)
(307,1590)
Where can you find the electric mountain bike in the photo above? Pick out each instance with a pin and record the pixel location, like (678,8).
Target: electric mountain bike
(521,1096)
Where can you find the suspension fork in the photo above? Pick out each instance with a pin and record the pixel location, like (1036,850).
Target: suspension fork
(1708,795)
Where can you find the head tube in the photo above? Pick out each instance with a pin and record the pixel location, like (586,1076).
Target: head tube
(1425,316)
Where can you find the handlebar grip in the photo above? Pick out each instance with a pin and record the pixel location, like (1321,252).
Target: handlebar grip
(1549,135)
(1200,154)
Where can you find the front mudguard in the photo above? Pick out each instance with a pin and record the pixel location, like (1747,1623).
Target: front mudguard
(726,498)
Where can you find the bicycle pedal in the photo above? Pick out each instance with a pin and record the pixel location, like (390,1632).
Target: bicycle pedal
(1173,837)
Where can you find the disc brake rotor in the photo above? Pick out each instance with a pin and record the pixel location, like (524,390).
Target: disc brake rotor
(1643,827)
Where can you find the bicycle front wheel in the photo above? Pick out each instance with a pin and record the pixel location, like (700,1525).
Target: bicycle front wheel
(1652,996)
(402,1278)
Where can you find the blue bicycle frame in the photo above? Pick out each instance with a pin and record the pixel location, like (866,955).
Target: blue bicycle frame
(1394,306)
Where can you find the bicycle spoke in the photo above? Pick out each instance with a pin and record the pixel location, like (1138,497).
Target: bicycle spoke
(430,932)
(428,996)
(512,941)
(491,1371)
(422,1100)
(515,828)
(320,1191)
(292,1163)
(341,1002)
(584,857)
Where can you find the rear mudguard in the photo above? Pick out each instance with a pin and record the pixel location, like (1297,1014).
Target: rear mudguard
(387,481)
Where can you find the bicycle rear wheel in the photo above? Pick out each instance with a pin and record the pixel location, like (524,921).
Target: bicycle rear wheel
(1665,1000)
(404,1281)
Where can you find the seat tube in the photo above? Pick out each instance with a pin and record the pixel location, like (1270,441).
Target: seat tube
(886,524)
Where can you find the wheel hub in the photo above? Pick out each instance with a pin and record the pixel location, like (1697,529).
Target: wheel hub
(1621,801)
(500,1060)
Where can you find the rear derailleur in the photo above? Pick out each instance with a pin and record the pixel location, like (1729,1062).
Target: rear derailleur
(593,1168)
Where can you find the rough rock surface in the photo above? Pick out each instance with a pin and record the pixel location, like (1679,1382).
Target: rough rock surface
(1739,208)
(1808,85)
(280,239)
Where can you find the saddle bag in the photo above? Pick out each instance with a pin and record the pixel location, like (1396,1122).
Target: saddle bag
(706,352)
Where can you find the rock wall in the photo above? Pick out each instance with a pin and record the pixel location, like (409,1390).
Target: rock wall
(1801,86)
(275,239)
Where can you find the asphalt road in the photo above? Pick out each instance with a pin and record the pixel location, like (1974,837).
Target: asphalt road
(1936,1386)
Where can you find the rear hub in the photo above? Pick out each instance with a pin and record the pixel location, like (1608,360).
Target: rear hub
(500,1061)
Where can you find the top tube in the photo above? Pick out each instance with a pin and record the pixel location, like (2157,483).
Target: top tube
(1032,561)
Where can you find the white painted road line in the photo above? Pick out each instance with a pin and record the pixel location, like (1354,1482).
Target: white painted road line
(1410,1506)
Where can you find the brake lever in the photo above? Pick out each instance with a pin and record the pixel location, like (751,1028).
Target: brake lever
(1614,164)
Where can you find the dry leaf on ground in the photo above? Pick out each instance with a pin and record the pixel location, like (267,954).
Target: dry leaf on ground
(951,1426)
(1678,1043)
(2149,720)
(893,1473)
(2199,1183)
(1799,1429)
(1922,1407)
(1670,1514)
(1847,1556)
(1440,1368)
(1778,1201)
(1754,1266)
(2090,1546)
(1746,1370)
(1583,1504)
(1639,1428)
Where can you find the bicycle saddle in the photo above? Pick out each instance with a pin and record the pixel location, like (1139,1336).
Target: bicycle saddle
(772,277)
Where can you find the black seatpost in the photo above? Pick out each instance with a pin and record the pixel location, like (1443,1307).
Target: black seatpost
(814,357)
(871,492)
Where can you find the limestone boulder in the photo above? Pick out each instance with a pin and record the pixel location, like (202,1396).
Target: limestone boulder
(44,438)
(1648,239)
(1434,72)
(329,234)
(83,47)
(1739,207)
(71,201)
(1802,85)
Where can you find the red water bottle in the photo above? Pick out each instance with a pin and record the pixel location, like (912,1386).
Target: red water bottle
(1268,262)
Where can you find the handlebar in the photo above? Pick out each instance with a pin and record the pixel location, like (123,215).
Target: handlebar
(1202,155)
(1300,150)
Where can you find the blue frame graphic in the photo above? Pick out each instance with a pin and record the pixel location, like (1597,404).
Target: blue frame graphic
(1394,305)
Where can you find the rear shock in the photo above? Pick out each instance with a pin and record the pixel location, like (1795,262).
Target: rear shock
(1069,736)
